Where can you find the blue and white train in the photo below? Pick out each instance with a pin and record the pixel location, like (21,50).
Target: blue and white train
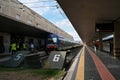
(55,42)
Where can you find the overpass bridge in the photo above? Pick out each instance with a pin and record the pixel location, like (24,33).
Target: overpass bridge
(21,24)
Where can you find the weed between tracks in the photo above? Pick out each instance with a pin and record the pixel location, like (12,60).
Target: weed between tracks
(30,74)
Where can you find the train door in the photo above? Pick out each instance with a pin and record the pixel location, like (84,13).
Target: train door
(1,45)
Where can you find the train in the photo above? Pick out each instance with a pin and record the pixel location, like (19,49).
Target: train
(59,43)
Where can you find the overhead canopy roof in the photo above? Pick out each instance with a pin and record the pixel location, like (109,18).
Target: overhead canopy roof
(12,26)
(84,14)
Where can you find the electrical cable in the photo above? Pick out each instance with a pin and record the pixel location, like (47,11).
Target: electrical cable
(42,6)
(28,6)
(38,2)
(59,9)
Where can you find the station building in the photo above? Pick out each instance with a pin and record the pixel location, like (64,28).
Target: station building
(20,24)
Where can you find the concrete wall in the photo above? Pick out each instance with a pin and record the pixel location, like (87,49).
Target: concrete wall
(117,39)
(20,12)
(6,41)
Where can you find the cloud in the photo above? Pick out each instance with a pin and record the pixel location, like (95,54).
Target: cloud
(42,11)
(37,5)
(53,14)
(67,26)
(63,23)
(75,35)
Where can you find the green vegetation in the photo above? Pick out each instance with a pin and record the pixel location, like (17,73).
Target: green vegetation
(50,73)
(46,73)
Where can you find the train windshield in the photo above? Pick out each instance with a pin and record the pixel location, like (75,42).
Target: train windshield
(52,40)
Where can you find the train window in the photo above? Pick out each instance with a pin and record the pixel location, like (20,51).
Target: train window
(50,40)
(54,40)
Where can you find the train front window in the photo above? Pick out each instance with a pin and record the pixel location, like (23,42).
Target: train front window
(52,40)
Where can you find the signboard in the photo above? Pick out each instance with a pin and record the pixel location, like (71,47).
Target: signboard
(16,59)
(30,59)
(56,59)
(104,27)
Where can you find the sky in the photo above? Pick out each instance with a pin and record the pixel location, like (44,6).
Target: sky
(51,11)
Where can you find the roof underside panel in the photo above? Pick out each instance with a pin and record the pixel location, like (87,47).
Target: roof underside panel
(15,27)
(84,14)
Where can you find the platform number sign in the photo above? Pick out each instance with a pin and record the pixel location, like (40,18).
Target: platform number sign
(18,57)
(56,58)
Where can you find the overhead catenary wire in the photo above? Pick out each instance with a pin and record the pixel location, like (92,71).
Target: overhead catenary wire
(42,6)
(52,6)
(28,6)
(61,12)
(40,1)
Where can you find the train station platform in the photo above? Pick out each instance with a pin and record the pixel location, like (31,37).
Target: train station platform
(91,65)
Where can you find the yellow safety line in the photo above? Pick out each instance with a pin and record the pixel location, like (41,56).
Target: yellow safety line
(80,70)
